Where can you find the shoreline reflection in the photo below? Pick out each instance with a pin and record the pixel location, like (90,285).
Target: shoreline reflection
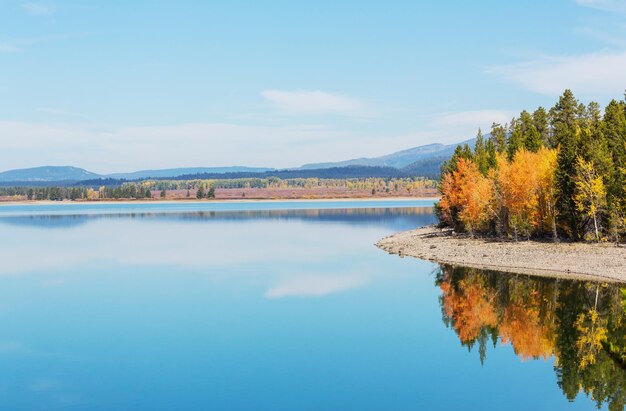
(355,216)
(580,324)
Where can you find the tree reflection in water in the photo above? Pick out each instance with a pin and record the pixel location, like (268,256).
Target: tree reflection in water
(581,324)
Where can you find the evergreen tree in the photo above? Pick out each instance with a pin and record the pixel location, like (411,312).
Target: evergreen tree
(200,193)
(540,120)
(566,131)
(530,135)
(490,149)
(480,154)
(614,130)
(516,138)
(498,136)
(594,146)
(459,152)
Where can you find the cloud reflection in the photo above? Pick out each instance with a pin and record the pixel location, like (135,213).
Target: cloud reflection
(313,286)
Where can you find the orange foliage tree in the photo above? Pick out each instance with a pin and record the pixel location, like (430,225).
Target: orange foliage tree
(517,197)
(466,193)
(517,181)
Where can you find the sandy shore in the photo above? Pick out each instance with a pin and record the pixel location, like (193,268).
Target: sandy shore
(192,201)
(604,262)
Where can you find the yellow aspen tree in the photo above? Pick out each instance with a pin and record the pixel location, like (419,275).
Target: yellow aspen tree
(590,193)
(547,189)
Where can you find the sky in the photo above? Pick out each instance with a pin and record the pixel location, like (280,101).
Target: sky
(118,86)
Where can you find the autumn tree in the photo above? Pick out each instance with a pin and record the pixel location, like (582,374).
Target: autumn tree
(517,181)
(546,188)
(590,194)
(466,194)
(558,172)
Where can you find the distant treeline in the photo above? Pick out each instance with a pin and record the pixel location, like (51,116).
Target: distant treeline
(558,172)
(205,188)
(125,191)
(350,172)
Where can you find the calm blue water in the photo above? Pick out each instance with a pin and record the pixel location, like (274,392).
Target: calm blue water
(255,306)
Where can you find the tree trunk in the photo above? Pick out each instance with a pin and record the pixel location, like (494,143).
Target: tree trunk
(595,225)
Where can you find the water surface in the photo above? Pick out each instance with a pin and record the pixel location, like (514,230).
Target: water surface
(277,306)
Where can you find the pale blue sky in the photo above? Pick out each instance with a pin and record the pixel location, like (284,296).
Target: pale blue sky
(125,85)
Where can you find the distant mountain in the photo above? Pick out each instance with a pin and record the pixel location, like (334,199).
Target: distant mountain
(398,159)
(176,172)
(418,161)
(68,173)
(48,173)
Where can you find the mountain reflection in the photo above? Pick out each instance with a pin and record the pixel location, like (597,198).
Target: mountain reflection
(581,324)
(392,218)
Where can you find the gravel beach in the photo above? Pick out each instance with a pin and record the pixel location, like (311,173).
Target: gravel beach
(604,262)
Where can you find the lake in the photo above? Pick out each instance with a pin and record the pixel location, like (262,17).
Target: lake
(283,306)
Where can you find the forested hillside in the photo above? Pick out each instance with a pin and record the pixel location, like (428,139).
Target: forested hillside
(559,172)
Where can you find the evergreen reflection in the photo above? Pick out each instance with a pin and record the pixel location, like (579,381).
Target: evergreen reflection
(578,323)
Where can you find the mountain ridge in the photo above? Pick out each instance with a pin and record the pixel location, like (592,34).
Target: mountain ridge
(398,159)
(425,160)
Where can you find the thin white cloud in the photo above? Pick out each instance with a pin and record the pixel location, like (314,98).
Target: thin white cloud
(105,149)
(54,111)
(38,9)
(605,5)
(313,102)
(614,36)
(8,47)
(473,119)
(313,286)
(20,44)
(591,74)
(199,144)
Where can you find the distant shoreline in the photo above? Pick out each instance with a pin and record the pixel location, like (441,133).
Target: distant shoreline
(588,261)
(218,201)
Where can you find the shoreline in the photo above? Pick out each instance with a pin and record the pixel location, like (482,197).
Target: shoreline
(584,261)
(219,201)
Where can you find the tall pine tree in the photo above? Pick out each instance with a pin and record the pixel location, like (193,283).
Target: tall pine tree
(564,118)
